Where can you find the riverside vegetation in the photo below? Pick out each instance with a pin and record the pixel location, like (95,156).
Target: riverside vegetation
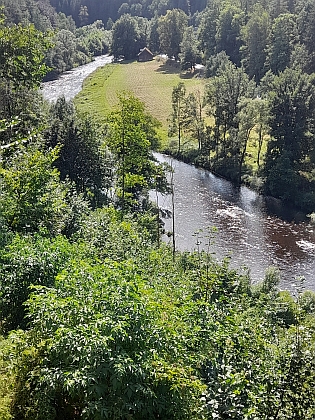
(99,319)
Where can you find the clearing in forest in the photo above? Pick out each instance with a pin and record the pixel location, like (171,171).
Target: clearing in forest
(152,82)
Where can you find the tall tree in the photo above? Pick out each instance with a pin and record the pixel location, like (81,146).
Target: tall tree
(292,106)
(195,117)
(262,126)
(129,139)
(62,56)
(225,95)
(22,52)
(179,115)
(306,28)
(228,35)
(284,36)
(189,49)
(208,28)
(82,158)
(256,36)
(171,28)
(126,38)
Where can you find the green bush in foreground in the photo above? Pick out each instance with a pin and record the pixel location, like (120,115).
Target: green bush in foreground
(103,350)
(121,329)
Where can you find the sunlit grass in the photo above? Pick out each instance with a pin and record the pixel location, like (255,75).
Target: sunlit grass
(152,82)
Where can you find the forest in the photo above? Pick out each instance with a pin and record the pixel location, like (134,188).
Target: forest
(99,319)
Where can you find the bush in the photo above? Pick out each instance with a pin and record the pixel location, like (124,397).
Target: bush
(24,262)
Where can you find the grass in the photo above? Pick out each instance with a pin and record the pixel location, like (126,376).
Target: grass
(152,82)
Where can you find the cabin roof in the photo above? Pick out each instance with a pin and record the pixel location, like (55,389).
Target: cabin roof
(145,49)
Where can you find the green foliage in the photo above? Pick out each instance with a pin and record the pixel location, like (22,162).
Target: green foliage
(128,37)
(230,99)
(26,261)
(76,46)
(180,119)
(22,52)
(189,49)
(228,35)
(42,14)
(6,380)
(256,36)
(129,139)
(283,37)
(113,235)
(171,28)
(208,28)
(82,158)
(119,329)
(292,101)
(32,198)
(111,350)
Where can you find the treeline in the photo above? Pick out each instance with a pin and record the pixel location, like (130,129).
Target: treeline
(113,9)
(259,57)
(71,45)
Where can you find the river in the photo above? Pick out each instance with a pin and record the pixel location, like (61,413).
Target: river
(239,224)
(69,83)
(248,227)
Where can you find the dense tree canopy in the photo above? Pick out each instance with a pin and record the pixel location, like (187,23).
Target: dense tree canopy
(22,52)
(292,102)
(127,38)
(82,158)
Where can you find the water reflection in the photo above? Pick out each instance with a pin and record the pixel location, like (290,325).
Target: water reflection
(247,228)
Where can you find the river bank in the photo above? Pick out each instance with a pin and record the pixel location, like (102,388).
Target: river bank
(69,84)
(285,211)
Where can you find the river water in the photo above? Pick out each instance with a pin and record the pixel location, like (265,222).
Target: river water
(248,227)
(240,224)
(69,83)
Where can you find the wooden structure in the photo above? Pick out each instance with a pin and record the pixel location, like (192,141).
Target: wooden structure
(145,55)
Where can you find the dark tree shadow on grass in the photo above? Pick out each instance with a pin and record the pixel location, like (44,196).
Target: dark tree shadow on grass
(172,67)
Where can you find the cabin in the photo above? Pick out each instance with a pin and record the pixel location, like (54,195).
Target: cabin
(145,55)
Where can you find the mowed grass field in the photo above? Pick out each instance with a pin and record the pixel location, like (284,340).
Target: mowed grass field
(152,82)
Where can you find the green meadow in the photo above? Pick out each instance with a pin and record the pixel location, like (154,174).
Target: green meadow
(152,82)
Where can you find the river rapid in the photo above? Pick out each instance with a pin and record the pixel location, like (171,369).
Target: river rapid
(253,231)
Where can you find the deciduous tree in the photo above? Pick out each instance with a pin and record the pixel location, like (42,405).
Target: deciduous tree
(126,38)
(292,105)
(171,29)
(82,157)
(189,49)
(256,36)
(129,139)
